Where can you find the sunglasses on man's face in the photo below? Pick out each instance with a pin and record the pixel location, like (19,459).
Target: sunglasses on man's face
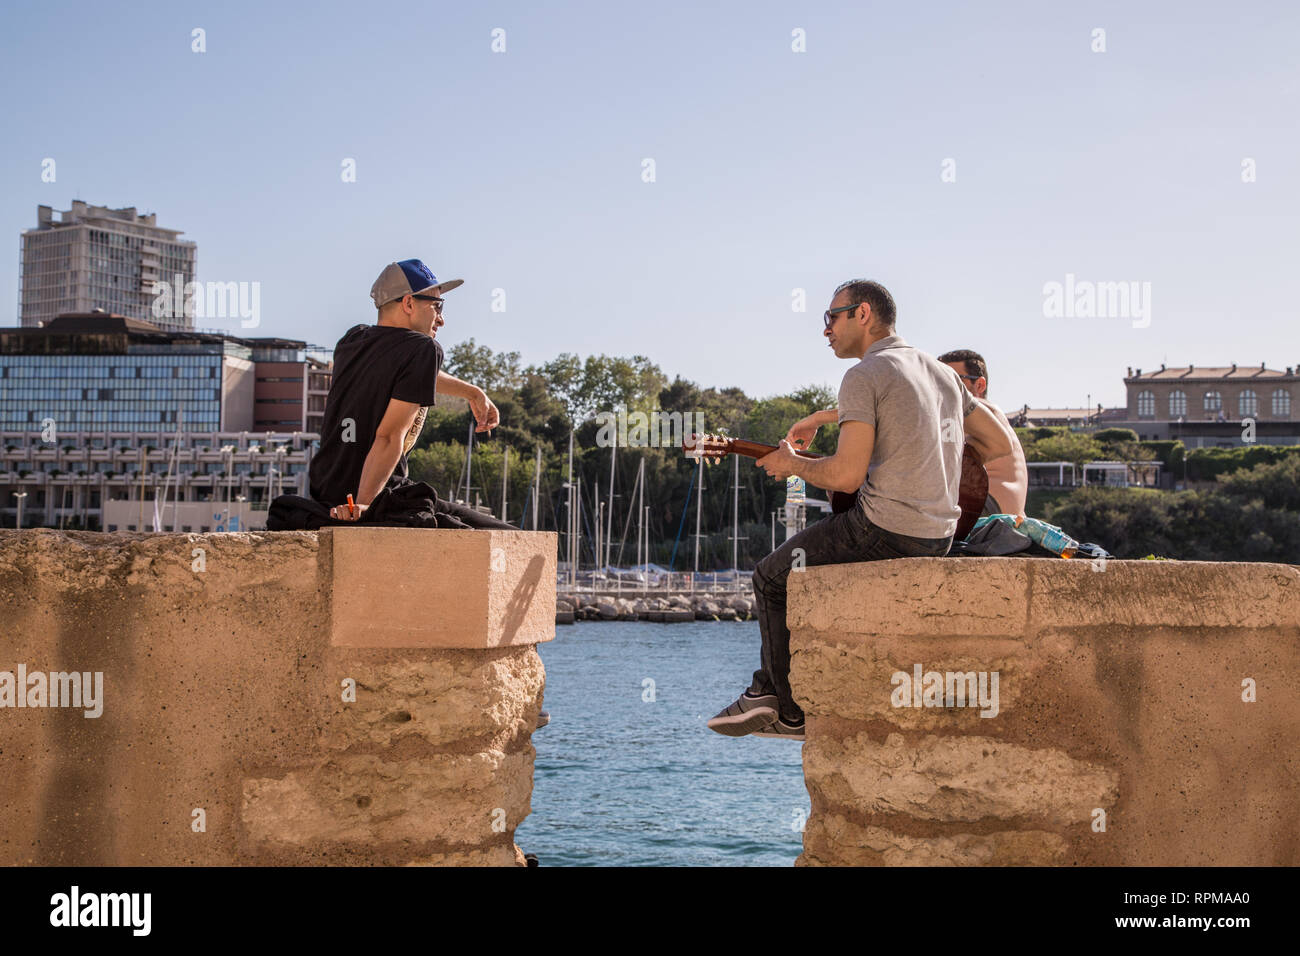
(829,315)
(437,302)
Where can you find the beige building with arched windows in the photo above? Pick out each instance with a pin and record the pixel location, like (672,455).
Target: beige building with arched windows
(1208,406)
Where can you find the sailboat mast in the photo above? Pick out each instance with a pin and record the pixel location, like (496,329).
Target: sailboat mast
(537,482)
(505,470)
(640,531)
(699,497)
(570,509)
(609,518)
(645,582)
(469,457)
(735,515)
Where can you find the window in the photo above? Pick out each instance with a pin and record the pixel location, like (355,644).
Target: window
(1177,403)
(1247,404)
(1281,403)
(1213,401)
(1146,405)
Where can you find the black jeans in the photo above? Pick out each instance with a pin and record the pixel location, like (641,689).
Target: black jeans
(838,539)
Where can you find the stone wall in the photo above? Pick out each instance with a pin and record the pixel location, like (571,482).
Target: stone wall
(1123,733)
(229,662)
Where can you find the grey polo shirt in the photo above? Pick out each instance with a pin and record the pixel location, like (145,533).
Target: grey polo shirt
(917,405)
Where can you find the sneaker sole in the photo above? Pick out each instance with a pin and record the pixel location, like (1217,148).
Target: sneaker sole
(798,737)
(744,724)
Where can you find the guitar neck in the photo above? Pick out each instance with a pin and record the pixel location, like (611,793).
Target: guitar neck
(754,449)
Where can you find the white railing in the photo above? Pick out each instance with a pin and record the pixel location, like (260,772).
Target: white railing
(626,583)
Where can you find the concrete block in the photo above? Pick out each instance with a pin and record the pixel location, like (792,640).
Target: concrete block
(924,596)
(426,587)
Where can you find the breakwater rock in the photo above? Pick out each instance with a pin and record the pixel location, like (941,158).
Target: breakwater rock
(667,609)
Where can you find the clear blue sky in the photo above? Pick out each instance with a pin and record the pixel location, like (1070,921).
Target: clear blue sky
(775,170)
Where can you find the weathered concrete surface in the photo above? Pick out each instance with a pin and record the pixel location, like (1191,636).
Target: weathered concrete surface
(1120,691)
(224,687)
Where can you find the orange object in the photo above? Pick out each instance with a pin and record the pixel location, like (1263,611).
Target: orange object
(352,508)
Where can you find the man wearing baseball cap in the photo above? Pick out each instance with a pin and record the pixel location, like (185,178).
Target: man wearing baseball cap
(385,377)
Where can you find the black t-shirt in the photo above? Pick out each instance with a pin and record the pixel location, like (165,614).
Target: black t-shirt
(372,364)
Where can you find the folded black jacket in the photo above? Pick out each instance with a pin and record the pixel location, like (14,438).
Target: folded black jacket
(402,504)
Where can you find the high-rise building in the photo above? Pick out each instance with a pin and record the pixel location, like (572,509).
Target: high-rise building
(93,257)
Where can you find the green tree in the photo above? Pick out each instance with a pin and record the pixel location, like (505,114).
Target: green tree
(1067,446)
(770,418)
(608,384)
(1276,485)
(1114,436)
(490,371)
(1133,453)
(564,380)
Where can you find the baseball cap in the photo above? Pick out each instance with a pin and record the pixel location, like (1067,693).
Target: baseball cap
(408,277)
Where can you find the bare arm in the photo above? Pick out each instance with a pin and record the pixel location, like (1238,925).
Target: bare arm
(485,413)
(843,471)
(802,432)
(987,435)
(451,385)
(382,457)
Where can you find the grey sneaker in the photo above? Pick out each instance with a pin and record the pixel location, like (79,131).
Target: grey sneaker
(779,728)
(746,715)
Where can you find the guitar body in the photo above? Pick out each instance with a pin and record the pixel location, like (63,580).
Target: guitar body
(971,496)
(842,501)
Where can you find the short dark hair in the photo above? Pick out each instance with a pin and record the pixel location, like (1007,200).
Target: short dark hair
(972,361)
(873,294)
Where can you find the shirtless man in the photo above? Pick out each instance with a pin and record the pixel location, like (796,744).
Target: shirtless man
(1008,477)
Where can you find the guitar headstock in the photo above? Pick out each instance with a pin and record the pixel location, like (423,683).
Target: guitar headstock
(711,448)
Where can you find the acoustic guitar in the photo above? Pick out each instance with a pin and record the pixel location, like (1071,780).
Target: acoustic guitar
(970,497)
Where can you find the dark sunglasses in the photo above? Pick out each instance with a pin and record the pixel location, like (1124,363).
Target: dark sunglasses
(429,298)
(829,315)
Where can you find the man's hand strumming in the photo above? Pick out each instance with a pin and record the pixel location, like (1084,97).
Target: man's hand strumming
(803,432)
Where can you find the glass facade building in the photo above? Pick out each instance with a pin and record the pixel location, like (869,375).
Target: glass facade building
(133,392)
(206,427)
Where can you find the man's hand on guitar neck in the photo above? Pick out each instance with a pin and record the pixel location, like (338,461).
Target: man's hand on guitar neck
(782,463)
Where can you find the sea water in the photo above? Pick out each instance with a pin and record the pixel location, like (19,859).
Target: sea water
(627,773)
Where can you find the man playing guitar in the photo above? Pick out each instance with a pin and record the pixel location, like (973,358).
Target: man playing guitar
(905,415)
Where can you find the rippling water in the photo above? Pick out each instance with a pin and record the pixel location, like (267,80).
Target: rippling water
(621,781)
